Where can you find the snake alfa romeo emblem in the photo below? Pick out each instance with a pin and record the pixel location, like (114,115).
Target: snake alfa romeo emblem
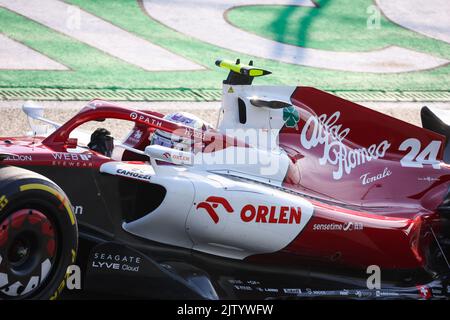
(211,203)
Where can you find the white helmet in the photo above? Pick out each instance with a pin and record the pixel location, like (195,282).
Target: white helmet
(170,140)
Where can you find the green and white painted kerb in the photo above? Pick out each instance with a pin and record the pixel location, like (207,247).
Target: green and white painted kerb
(392,50)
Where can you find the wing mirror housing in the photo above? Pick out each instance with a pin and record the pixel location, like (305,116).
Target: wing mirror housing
(35,114)
(33,110)
(166,154)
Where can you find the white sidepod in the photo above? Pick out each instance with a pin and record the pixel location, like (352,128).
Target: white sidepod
(243,218)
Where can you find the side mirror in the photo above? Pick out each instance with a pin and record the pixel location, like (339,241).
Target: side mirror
(166,154)
(33,110)
(36,112)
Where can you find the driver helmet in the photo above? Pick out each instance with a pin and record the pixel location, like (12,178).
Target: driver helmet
(170,140)
(102,142)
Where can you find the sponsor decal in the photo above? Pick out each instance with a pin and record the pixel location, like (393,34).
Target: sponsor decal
(424,292)
(194,134)
(135,137)
(348,226)
(324,130)
(176,158)
(416,157)
(367,178)
(243,288)
(428,179)
(19,158)
(436,291)
(180,158)
(134,173)
(145,119)
(272,214)
(72,156)
(344,292)
(317,292)
(116,262)
(252,213)
(235,281)
(137,134)
(211,203)
(66,159)
(292,291)
(291,116)
(379,293)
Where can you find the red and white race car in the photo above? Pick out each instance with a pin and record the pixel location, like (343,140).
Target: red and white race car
(295,193)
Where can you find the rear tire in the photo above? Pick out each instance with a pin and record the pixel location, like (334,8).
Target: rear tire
(38,235)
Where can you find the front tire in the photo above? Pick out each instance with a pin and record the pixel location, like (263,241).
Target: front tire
(38,236)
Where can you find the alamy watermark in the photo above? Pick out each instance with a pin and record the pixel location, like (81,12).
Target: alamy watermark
(73,20)
(374,279)
(73,281)
(374,19)
(234,147)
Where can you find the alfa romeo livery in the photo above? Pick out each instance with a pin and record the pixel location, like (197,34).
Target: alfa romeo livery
(294,193)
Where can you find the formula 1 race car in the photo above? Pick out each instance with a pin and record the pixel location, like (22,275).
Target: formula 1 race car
(295,193)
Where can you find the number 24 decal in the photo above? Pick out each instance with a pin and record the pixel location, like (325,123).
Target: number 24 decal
(416,157)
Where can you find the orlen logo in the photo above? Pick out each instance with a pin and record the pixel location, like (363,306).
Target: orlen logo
(175,157)
(212,203)
(272,214)
(166,155)
(258,214)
